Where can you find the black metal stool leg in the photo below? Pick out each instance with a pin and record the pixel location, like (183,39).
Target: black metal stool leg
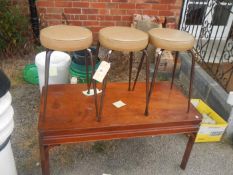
(93,62)
(87,74)
(174,68)
(191,78)
(139,69)
(103,89)
(147,77)
(97,49)
(46,82)
(130,69)
(153,81)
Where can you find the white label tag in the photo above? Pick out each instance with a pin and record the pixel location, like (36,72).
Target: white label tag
(73,80)
(102,71)
(52,71)
(119,104)
(211,130)
(91,92)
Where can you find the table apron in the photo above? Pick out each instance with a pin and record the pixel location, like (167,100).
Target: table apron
(120,134)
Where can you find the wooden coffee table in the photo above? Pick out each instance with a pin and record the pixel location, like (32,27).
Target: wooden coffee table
(70,117)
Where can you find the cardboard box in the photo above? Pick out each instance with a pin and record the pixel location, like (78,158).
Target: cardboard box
(166,62)
(209,132)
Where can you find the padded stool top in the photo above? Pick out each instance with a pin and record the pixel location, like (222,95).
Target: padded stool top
(171,39)
(125,39)
(66,38)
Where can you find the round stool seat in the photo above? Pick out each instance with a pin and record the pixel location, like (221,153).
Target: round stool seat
(66,38)
(125,39)
(171,39)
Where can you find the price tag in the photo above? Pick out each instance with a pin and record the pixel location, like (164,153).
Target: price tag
(52,71)
(102,71)
(119,104)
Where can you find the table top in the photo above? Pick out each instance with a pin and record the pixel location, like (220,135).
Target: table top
(69,111)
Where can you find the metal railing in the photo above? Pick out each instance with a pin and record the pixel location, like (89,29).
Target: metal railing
(211,23)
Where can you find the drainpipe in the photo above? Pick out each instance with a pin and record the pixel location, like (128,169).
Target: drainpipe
(34,19)
(230,120)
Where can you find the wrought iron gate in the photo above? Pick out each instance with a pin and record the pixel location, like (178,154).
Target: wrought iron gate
(211,22)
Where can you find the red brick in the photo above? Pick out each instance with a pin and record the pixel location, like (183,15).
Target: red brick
(116,18)
(51,23)
(53,16)
(127,18)
(45,4)
(80,4)
(91,17)
(54,10)
(90,23)
(112,5)
(104,0)
(127,6)
(98,5)
(166,13)
(123,23)
(76,23)
(72,17)
(119,0)
(117,12)
(107,23)
(100,17)
(83,17)
(104,11)
(72,10)
(63,3)
(135,11)
(143,6)
(150,12)
(160,6)
(89,11)
(167,1)
(108,18)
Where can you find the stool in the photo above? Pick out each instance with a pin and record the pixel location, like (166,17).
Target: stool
(171,40)
(124,39)
(66,38)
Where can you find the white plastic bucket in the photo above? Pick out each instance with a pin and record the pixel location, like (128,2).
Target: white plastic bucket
(59,68)
(7,162)
(5,102)
(6,124)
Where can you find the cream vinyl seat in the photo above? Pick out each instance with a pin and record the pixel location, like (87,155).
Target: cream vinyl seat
(66,38)
(171,40)
(124,39)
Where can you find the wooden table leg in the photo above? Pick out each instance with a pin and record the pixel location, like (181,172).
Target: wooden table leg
(44,156)
(188,150)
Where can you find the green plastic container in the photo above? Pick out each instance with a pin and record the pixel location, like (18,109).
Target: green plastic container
(79,71)
(82,68)
(30,74)
(80,75)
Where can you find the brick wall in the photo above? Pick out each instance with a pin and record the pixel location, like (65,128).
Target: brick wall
(96,14)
